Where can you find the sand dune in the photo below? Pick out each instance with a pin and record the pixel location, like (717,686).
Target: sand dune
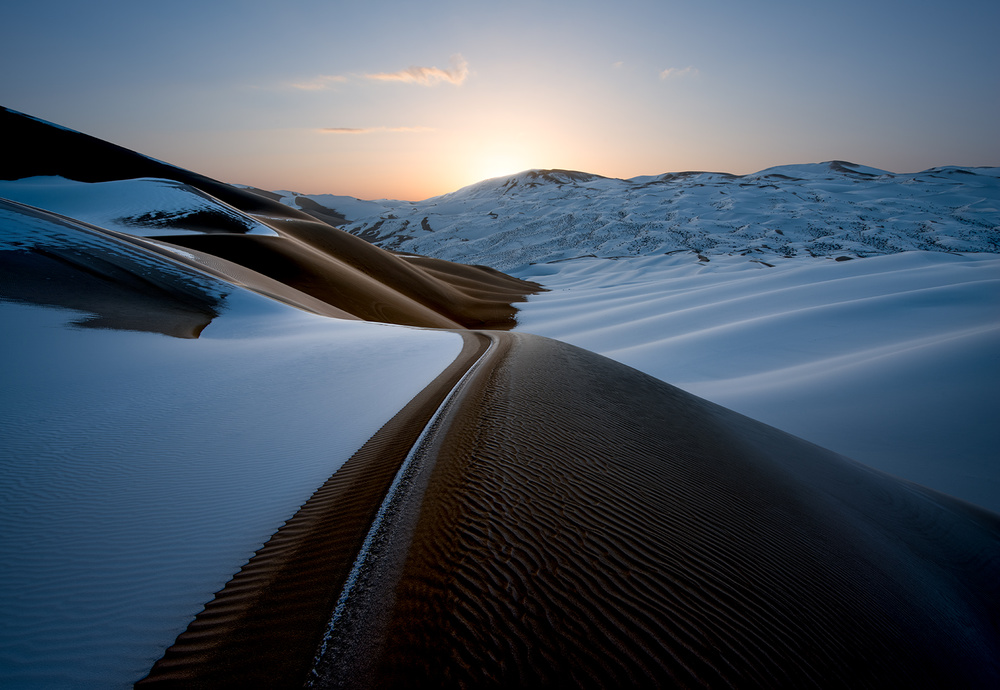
(371,283)
(587,525)
(579,523)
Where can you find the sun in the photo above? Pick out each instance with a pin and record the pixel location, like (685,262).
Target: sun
(490,165)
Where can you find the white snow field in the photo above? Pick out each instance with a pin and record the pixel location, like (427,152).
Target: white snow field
(141,471)
(892,360)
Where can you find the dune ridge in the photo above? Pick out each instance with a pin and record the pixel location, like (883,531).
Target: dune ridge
(653,538)
(362,279)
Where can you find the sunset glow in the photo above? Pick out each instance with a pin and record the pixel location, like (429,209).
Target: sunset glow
(398,100)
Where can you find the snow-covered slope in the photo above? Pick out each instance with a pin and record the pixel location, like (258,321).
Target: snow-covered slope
(823,209)
(892,360)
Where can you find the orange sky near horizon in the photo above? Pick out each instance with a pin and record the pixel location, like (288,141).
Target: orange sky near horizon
(403,100)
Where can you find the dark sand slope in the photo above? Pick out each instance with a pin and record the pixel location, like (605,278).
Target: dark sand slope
(587,525)
(362,279)
(309,255)
(262,629)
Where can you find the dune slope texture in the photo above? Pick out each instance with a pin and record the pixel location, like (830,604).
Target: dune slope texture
(218,471)
(588,525)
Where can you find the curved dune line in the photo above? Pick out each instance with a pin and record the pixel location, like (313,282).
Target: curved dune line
(263,628)
(344,271)
(347,644)
(585,524)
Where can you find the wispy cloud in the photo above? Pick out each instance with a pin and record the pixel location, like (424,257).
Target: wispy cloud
(425,76)
(323,81)
(369,130)
(428,76)
(679,72)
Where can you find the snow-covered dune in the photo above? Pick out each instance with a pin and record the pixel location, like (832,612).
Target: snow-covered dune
(892,360)
(144,206)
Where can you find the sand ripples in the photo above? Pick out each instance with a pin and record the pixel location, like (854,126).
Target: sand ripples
(593,526)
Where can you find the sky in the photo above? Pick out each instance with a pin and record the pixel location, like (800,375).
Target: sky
(408,100)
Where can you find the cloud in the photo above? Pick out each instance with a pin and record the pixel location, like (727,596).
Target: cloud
(425,76)
(369,130)
(428,76)
(323,81)
(618,65)
(678,72)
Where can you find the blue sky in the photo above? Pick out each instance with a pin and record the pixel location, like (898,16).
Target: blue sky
(409,100)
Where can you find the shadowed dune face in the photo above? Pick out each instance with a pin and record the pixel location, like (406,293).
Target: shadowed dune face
(50,261)
(47,279)
(587,525)
(347,272)
(309,255)
(44,149)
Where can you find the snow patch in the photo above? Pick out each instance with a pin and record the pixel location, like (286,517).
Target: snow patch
(143,206)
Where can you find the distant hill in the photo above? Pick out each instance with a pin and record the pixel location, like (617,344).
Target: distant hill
(835,208)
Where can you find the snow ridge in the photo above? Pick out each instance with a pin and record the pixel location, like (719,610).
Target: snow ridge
(827,209)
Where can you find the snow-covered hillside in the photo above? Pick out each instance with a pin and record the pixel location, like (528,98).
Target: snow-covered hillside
(823,209)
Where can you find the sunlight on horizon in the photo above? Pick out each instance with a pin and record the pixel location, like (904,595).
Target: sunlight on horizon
(497,165)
